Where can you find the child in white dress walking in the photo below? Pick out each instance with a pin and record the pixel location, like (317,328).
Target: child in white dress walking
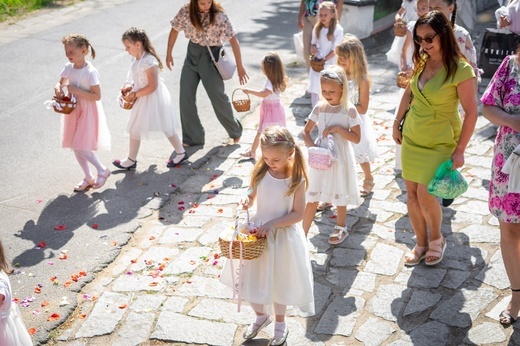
(351,57)
(326,35)
(282,275)
(12,328)
(153,110)
(335,116)
(271,109)
(85,129)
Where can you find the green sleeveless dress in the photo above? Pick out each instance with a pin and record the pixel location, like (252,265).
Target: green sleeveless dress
(433,124)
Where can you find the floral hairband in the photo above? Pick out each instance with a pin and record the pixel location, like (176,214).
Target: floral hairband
(331,75)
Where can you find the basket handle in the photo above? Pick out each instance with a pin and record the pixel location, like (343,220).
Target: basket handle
(233,94)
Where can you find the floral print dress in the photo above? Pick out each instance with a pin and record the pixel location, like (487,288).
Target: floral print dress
(504,91)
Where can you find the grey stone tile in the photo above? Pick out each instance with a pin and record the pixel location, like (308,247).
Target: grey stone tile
(215,309)
(494,273)
(187,261)
(173,235)
(426,277)
(135,330)
(340,316)
(384,259)
(147,302)
(204,287)
(486,333)
(389,301)
(421,301)
(374,332)
(430,334)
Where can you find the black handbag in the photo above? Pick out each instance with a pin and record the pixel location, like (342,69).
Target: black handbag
(496,45)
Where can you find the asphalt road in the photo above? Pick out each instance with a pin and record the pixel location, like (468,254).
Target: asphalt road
(37,175)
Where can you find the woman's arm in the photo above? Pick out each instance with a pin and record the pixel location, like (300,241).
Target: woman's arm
(467,91)
(339,9)
(300,14)
(499,117)
(401,113)
(242,75)
(172,38)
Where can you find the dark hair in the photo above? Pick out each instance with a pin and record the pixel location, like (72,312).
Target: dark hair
(195,14)
(275,72)
(450,49)
(137,35)
(454,13)
(79,41)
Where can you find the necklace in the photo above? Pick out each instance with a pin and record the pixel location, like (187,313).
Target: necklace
(434,67)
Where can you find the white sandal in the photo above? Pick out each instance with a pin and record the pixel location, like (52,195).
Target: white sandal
(337,238)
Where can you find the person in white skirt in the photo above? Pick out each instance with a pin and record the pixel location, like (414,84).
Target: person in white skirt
(282,275)
(351,57)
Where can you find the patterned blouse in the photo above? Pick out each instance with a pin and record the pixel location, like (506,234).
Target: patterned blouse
(504,92)
(221,29)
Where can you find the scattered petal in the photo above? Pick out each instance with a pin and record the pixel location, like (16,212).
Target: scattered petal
(173,185)
(63,256)
(122,306)
(42,244)
(153,284)
(82,273)
(39,201)
(83,316)
(44,304)
(32,331)
(36,312)
(180,208)
(60,227)
(134,261)
(114,243)
(181,202)
(220,210)
(53,317)
(95,226)
(192,262)
(151,237)
(67,283)
(37,290)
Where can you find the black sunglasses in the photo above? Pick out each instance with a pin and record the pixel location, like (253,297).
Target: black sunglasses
(428,40)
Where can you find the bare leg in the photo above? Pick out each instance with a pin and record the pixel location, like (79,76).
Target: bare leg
(368,182)
(341,212)
(432,214)
(510,247)
(251,153)
(415,214)
(308,216)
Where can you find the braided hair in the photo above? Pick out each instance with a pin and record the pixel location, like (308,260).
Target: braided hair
(138,35)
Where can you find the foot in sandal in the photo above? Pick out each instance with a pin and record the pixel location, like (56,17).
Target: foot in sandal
(249,154)
(415,256)
(435,251)
(368,185)
(339,234)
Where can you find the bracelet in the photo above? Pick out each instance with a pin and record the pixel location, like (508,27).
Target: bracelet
(397,120)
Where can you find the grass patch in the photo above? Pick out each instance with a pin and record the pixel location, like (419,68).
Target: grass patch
(384,8)
(16,8)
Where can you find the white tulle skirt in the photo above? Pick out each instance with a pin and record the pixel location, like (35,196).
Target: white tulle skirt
(366,149)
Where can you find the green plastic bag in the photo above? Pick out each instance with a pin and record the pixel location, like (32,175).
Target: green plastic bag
(447,183)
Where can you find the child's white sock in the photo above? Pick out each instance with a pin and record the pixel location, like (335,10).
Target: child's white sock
(279,329)
(260,319)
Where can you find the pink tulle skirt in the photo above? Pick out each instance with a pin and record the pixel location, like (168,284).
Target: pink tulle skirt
(271,113)
(86,127)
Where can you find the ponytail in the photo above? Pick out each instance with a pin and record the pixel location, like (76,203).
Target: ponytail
(79,41)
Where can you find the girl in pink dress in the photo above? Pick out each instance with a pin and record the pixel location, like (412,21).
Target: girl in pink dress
(271,109)
(85,129)
(12,328)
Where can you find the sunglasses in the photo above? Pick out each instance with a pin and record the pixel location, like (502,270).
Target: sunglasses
(428,40)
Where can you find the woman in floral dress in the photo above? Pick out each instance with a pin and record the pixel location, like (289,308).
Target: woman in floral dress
(501,102)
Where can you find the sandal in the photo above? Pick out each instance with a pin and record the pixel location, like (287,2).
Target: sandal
(323,206)
(368,185)
(415,256)
(84,185)
(337,238)
(101,179)
(253,329)
(506,319)
(436,249)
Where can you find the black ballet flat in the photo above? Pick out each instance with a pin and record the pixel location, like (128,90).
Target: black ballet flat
(118,164)
(171,164)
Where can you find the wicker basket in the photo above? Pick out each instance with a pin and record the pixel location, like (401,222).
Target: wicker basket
(250,249)
(125,90)
(241,105)
(64,106)
(400,29)
(403,79)
(317,64)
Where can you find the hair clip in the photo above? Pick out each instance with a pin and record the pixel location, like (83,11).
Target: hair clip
(331,75)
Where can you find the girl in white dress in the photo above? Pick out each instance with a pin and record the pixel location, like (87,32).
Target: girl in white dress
(153,110)
(271,109)
(12,328)
(282,275)
(335,116)
(326,35)
(351,57)
(405,15)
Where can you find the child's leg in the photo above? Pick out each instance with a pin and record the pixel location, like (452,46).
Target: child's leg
(368,182)
(131,160)
(179,149)
(308,216)
(262,320)
(341,216)
(91,157)
(83,163)
(280,327)
(252,152)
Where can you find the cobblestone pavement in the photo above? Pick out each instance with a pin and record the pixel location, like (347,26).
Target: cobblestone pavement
(164,286)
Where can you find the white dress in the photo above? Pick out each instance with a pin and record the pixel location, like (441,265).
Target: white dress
(337,185)
(324,47)
(410,15)
(153,114)
(366,149)
(283,273)
(12,328)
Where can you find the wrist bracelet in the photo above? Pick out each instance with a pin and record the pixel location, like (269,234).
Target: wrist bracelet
(397,120)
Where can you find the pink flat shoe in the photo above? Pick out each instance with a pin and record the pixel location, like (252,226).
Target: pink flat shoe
(102,179)
(84,185)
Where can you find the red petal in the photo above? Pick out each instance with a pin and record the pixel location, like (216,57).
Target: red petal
(32,330)
(60,227)
(42,244)
(55,316)
(95,226)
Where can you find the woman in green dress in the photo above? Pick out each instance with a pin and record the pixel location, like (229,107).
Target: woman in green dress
(433,131)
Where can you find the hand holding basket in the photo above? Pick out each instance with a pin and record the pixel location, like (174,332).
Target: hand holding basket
(317,64)
(241,242)
(124,99)
(63,104)
(400,28)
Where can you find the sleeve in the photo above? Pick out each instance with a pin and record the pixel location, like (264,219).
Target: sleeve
(150,61)
(494,94)
(353,117)
(4,290)
(464,72)
(179,22)
(268,85)
(315,114)
(93,77)
(65,73)
(226,28)
(338,35)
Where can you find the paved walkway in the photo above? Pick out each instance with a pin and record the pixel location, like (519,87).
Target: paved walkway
(164,286)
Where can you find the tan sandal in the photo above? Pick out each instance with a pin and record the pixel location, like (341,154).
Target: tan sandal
(368,185)
(415,256)
(436,249)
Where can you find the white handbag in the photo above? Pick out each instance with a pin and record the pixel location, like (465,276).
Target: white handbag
(225,64)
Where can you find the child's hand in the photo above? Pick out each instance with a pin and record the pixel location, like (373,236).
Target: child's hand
(246,91)
(330,130)
(314,50)
(264,229)
(244,202)
(130,97)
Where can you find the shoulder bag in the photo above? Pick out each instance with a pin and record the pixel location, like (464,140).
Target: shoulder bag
(225,64)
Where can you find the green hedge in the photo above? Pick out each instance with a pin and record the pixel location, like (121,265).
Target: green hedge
(10,8)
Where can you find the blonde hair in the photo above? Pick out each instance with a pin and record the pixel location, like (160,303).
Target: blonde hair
(4,266)
(336,74)
(329,5)
(79,41)
(280,138)
(351,48)
(137,35)
(275,72)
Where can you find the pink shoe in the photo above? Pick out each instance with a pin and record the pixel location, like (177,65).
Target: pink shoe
(84,185)
(102,179)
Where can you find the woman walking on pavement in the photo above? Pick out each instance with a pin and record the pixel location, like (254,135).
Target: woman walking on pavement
(205,24)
